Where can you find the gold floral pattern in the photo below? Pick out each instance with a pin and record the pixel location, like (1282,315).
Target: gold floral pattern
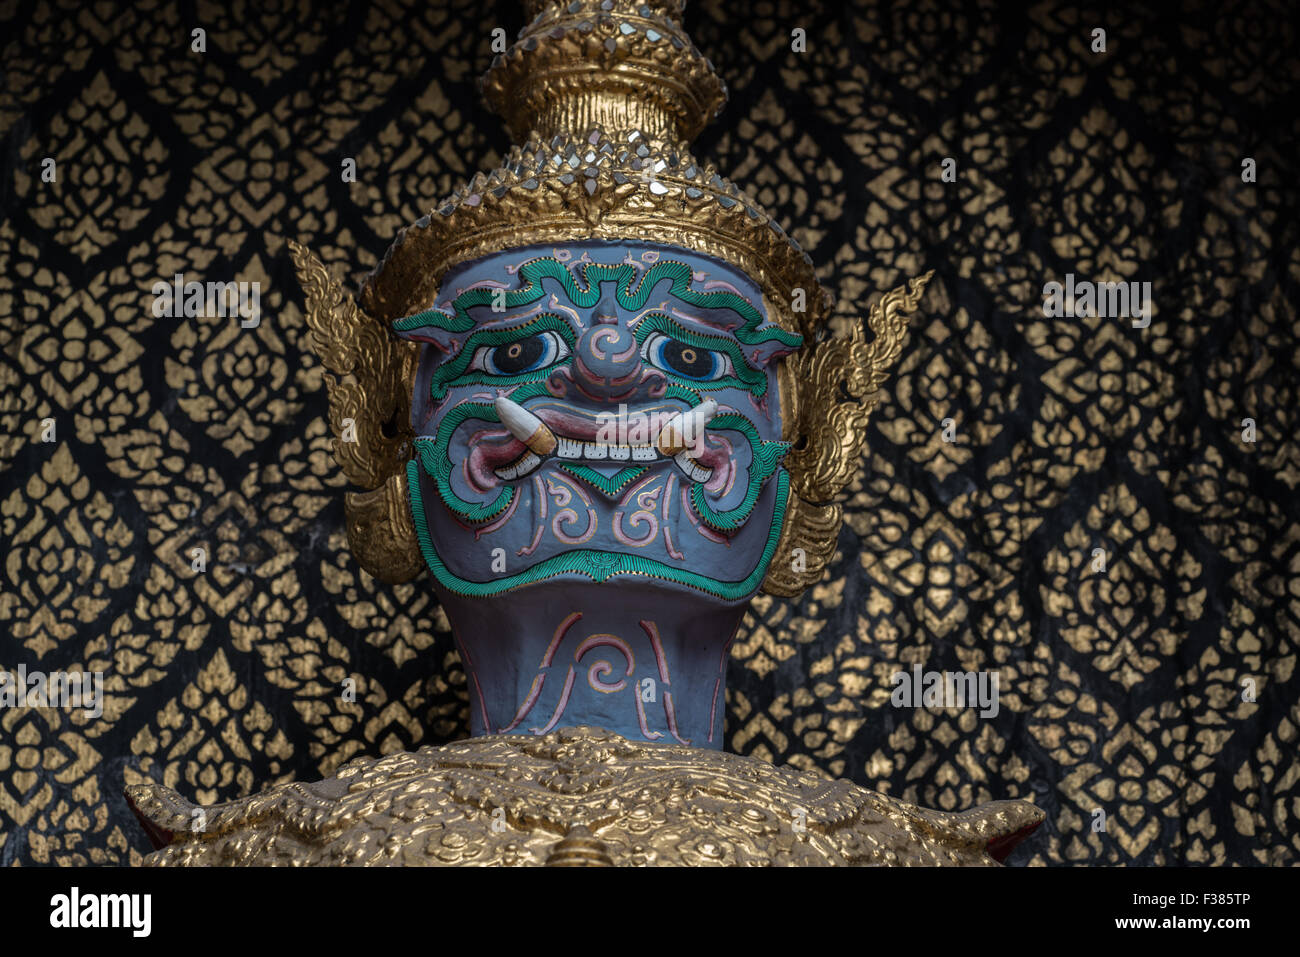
(1158,694)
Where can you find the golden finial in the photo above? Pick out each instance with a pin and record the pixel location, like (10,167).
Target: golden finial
(608,64)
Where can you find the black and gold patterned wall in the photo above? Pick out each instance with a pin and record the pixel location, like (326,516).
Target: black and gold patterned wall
(1122,691)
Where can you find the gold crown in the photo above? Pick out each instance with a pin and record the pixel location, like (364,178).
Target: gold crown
(607,95)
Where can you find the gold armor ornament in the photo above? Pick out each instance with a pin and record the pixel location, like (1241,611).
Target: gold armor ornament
(606,96)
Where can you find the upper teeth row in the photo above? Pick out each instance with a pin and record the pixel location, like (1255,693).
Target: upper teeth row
(575,449)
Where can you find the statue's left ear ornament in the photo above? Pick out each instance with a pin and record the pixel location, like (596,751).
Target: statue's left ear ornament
(369,373)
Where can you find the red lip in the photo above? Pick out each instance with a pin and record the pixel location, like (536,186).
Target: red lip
(490,449)
(713,457)
(568,424)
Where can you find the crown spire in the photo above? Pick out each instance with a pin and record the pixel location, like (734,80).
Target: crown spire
(609,64)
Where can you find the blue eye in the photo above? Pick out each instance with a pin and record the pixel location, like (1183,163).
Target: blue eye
(687,361)
(521,356)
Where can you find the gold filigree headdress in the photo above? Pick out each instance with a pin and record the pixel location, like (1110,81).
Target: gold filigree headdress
(605,96)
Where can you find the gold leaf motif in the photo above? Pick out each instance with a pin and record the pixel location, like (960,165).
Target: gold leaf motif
(812,529)
(371,380)
(382,533)
(370,410)
(834,427)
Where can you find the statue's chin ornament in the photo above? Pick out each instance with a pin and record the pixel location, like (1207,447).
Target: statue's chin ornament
(592,395)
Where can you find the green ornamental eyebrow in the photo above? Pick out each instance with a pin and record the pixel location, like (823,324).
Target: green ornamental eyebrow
(751,332)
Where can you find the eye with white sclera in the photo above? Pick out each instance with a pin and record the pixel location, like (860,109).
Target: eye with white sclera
(687,361)
(522,355)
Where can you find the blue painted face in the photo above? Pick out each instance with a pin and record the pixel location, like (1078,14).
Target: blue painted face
(602,414)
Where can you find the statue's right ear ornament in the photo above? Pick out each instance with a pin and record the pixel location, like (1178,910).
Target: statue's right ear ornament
(829,389)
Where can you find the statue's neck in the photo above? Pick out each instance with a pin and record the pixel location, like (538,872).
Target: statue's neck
(647,663)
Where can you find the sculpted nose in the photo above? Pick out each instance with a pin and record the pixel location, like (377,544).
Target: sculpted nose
(607,362)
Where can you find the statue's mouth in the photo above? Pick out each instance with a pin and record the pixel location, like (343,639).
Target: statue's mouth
(497,456)
(486,458)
